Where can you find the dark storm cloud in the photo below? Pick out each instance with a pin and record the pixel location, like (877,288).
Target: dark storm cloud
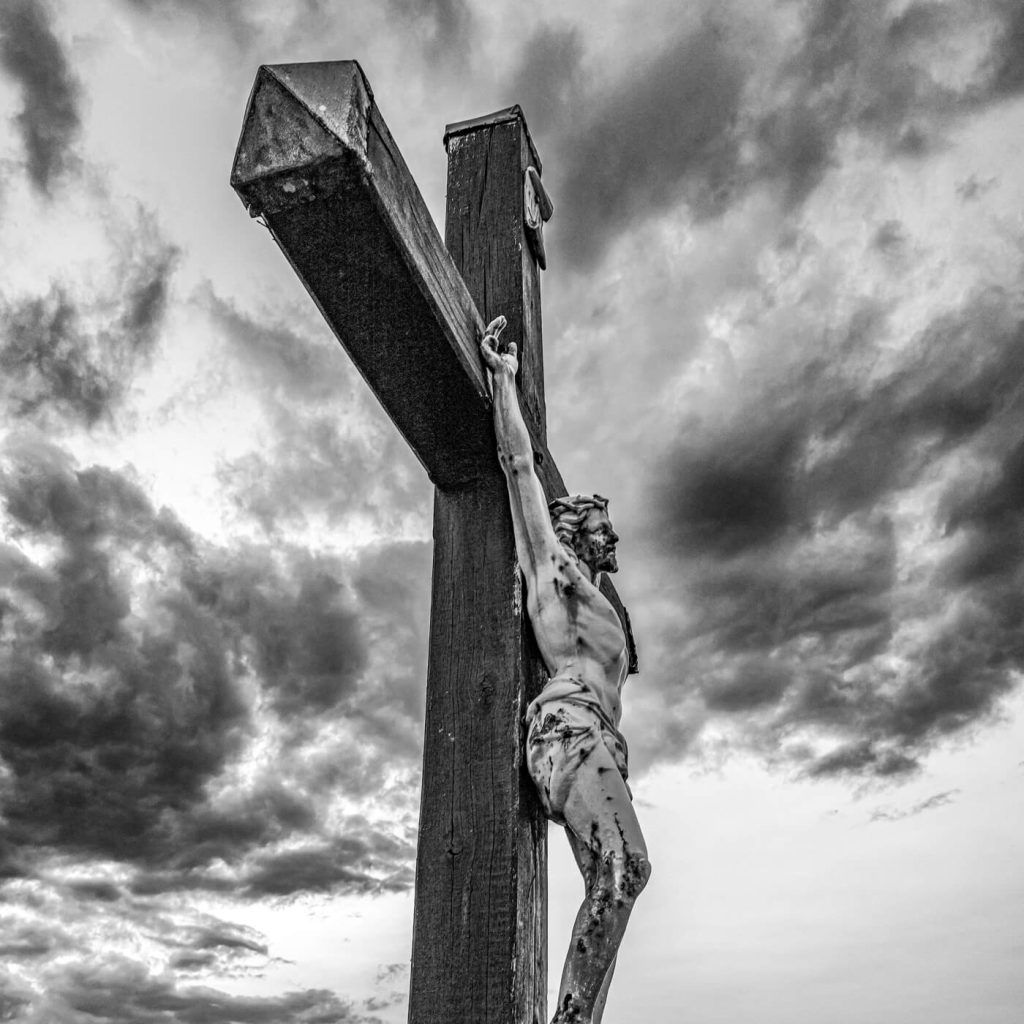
(213,9)
(232,17)
(754,482)
(250,820)
(731,105)
(124,992)
(661,134)
(101,891)
(121,706)
(439,29)
(11,1002)
(863,758)
(962,375)
(307,364)
(853,68)
(830,600)
(25,941)
(304,638)
(972,187)
(790,557)
(752,683)
(12,862)
(98,766)
(44,357)
(547,80)
(50,120)
(224,937)
(1006,59)
(194,962)
(359,858)
(444,26)
(353,862)
(869,68)
(213,947)
(989,521)
(890,237)
(75,359)
(738,495)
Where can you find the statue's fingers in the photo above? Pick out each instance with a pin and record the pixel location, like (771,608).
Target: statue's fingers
(512,349)
(496,326)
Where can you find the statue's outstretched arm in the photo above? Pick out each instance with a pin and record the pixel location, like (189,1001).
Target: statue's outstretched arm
(535,537)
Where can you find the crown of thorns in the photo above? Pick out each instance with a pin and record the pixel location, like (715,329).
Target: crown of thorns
(577,503)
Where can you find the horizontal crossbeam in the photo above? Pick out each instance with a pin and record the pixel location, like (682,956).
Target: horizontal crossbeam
(316,161)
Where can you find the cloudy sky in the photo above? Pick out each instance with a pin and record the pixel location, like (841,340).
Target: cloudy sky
(784,333)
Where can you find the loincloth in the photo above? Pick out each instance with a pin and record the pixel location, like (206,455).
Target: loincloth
(562,735)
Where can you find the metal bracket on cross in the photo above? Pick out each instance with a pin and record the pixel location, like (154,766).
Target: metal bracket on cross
(537,209)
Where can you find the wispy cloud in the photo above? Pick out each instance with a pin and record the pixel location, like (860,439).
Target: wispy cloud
(932,802)
(332,455)
(69,359)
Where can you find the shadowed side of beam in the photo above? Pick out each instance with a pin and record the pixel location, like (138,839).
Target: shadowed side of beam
(317,162)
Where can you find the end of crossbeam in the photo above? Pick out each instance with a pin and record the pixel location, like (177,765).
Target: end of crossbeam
(317,163)
(304,124)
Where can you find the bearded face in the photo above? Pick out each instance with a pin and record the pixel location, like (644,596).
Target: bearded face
(595,542)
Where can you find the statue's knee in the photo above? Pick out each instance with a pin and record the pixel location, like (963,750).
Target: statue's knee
(636,872)
(620,879)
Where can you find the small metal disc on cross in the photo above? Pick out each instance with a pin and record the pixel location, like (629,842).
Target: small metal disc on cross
(317,164)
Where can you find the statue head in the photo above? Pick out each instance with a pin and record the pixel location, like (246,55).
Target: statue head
(582,526)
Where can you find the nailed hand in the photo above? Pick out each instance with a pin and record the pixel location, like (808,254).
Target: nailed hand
(498,357)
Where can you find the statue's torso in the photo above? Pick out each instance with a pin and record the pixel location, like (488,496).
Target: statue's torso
(580,638)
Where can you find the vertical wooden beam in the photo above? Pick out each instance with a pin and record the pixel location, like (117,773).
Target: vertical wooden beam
(487,159)
(480,928)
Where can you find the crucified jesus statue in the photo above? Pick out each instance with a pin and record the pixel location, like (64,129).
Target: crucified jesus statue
(576,755)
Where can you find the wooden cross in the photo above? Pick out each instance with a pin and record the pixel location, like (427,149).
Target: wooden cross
(317,163)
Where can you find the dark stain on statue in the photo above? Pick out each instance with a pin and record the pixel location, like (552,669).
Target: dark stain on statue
(568,1011)
(635,874)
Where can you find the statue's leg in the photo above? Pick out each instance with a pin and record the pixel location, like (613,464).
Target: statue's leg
(612,855)
(586,862)
(602,996)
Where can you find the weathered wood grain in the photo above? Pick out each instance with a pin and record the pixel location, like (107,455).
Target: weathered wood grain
(482,869)
(317,162)
(487,159)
